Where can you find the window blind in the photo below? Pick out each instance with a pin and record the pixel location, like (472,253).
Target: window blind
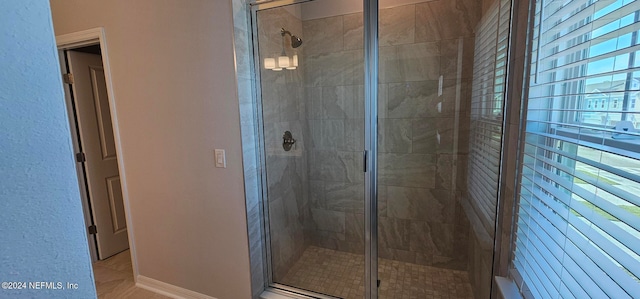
(487,98)
(578,217)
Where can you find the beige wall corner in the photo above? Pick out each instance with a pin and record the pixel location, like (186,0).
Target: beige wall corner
(175,94)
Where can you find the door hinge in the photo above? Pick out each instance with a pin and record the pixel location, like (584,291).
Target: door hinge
(68,78)
(80,157)
(378,282)
(93,230)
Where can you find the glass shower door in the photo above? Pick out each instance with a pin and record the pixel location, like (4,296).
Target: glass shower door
(311,92)
(438,150)
(419,222)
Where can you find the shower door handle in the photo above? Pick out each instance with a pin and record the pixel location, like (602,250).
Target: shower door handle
(365,156)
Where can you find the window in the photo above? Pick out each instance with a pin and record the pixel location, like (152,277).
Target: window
(578,224)
(490,68)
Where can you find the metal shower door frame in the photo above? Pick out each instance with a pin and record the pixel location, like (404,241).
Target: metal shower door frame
(370,153)
(370,23)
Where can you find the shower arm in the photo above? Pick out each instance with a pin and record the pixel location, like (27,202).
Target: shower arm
(295,41)
(284,32)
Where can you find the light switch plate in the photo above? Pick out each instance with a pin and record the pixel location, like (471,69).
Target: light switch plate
(221,160)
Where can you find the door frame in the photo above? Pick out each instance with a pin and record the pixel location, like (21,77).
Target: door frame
(96,36)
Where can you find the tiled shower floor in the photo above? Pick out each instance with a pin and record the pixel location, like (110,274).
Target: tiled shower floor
(341,274)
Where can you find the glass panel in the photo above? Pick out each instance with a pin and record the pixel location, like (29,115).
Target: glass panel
(315,190)
(441,91)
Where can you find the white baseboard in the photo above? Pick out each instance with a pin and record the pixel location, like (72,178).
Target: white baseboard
(166,289)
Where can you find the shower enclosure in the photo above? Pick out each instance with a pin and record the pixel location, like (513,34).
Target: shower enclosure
(380,136)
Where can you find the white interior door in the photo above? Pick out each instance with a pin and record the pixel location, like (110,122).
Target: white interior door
(98,144)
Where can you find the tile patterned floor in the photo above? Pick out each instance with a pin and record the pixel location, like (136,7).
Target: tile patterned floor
(340,274)
(114,279)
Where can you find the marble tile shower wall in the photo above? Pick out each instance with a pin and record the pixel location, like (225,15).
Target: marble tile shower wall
(248,125)
(334,78)
(421,164)
(282,110)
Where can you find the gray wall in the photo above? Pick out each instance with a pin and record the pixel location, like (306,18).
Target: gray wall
(334,99)
(420,219)
(42,228)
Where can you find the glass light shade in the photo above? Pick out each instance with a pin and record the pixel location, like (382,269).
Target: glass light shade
(269,63)
(294,60)
(292,68)
(277,69)
(283,62)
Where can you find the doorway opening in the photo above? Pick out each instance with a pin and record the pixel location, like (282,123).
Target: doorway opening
(96,142)
(91,122)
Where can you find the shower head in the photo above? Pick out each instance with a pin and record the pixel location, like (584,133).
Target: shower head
(295,41)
